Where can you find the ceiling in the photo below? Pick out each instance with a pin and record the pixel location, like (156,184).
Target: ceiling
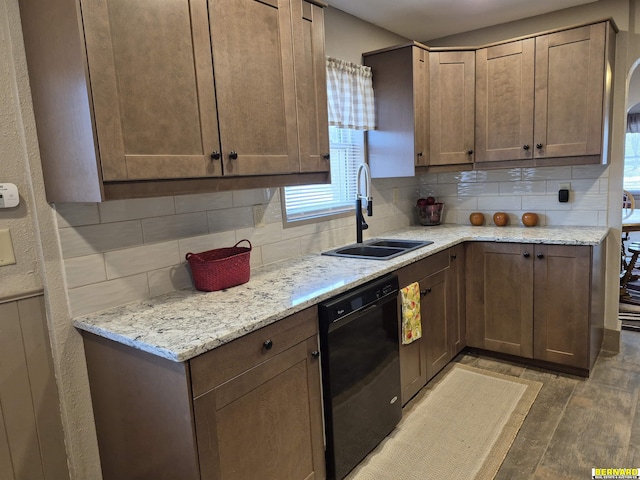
(428,19)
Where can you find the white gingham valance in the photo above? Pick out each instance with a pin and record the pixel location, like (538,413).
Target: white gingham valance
(350,95)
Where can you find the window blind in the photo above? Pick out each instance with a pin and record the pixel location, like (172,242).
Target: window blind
(308,201)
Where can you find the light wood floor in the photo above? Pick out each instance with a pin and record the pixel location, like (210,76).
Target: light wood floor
(577,424)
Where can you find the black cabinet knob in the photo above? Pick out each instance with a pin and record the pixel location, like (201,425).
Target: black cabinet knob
(315,354)
(425,291)
(540,255)
(526,255)
(525,147)
(326,156)
(454,256)
(419,154)
(233,155)
(267,345)
(215,155)
(470,152)
(539,146)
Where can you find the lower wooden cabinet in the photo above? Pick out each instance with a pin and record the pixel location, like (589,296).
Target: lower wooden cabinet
(441,282)
(543,302)
(250,409)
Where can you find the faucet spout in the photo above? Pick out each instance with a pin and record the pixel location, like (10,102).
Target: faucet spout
(360,222)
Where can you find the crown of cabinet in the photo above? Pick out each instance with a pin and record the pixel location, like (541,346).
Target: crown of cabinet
(176,97)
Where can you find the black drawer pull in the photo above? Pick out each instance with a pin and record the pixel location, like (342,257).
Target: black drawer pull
(233,155)
(315,354)
(526,147)
(526,255)
(454,256)
(425,291)
(268,344)
(540,255)
(215,155)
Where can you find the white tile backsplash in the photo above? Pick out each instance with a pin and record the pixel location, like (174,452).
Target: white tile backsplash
(547,173)
(89,239)
(120,210)
(118,252)
(203,202)
(129,261)
(85,270)
(76,214)
(168,279)
(159,229)
(105,295)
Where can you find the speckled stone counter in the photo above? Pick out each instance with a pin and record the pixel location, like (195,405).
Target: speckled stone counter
(183,324)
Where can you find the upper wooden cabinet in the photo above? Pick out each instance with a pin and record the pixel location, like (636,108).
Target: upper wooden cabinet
(193,91)
(424,109)
(311,87)
(452,112)
(504,101)
(401,86)
(151,86)
(545,97)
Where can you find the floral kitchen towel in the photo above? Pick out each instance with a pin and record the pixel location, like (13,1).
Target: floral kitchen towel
(411,323)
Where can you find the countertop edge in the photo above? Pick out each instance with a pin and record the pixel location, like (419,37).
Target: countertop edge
(186,352)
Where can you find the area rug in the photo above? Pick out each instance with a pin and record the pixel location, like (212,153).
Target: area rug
(461,429)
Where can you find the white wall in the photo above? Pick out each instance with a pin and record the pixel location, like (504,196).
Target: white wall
(37,247)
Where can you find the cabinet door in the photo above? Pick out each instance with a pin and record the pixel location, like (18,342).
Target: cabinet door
(400,83)
(433,311)
(265,423)
(504,101)
(500,297)
(311,86)
(569,86)
(456,319)
(452,105)
(152,90)
(421,106)
(562,304)
(254,77)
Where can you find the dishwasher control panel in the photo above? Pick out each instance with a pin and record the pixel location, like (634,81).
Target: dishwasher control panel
(360,297)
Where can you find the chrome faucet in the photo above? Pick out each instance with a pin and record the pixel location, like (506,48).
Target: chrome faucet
(360,223)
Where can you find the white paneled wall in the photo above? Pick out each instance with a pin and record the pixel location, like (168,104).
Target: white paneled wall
(121,251)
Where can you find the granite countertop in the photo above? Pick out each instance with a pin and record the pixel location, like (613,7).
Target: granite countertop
(183,324)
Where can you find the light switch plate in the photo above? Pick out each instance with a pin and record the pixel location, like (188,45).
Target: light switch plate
(7,257)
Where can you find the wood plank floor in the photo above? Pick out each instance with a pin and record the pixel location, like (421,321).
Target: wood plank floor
(576,424)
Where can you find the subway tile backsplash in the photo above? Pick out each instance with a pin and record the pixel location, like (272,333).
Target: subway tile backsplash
(126,250)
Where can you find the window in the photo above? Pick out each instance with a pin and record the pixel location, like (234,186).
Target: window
(311,201)
(632,163)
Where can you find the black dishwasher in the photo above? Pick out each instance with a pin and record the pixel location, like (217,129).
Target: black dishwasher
(360,371)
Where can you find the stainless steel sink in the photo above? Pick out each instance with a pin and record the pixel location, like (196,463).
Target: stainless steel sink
(377,249)
(398,243)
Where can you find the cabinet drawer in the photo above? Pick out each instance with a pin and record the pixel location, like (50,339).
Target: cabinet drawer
(423,268)
(223,363)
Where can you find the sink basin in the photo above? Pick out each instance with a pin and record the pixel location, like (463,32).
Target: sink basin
(398,243)
(368,251)
(377,249)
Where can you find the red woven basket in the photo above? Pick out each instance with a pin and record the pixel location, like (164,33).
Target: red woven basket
(220,268)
